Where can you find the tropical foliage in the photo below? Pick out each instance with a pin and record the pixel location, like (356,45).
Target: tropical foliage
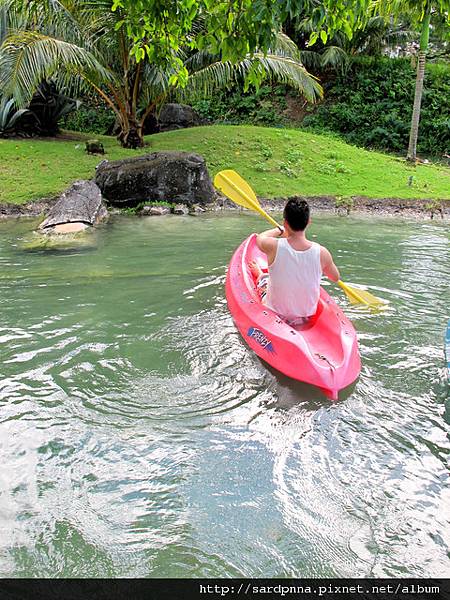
(10,116)
(91,117)
(42,115)
(232,30)
(86,46)
(420,12)
(49,106)
(264,106)
(370,105)
(375,38)
(240,26)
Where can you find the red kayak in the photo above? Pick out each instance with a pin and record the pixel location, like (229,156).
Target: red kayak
(323,352)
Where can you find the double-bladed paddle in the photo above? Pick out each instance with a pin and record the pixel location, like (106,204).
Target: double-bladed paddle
(238,190)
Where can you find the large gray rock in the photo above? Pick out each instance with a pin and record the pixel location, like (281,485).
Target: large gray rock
(81,203)
(178,116)
(178,177)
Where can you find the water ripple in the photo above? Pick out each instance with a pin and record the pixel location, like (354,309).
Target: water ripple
(140,437)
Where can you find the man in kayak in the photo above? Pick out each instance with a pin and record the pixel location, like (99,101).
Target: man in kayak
(292,286)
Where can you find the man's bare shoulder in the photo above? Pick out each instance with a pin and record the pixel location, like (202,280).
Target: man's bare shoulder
(324,251)
(327,264)
(325,255)
(266,244)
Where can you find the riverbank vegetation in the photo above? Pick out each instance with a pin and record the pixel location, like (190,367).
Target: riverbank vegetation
(100,52)
(368,104)
(235,65)
(277,162)
(86,47)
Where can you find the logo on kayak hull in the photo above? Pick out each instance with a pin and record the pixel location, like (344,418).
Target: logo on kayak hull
(261,339)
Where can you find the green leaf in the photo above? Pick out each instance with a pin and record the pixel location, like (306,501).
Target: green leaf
(313,38)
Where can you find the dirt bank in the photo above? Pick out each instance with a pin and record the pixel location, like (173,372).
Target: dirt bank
(424,209)
(30,209)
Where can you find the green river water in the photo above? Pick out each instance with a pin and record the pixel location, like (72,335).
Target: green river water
(139,437)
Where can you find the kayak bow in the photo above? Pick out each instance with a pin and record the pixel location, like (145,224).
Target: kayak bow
(323,352)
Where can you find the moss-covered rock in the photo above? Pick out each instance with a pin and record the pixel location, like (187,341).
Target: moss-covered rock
(175,177)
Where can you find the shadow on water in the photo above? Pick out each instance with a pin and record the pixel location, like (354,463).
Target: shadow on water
(54,244)
(57,251)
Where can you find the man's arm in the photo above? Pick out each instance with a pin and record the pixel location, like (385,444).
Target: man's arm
(267,243)
(329,269)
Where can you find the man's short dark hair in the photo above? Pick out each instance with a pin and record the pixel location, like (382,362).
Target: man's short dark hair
(296,213)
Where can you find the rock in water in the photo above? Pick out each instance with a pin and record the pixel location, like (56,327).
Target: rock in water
(176,177)
(155,210)
(81,203)
(180,209)
(178,116)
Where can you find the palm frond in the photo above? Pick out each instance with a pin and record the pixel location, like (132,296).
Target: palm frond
(311,60)
(304,25)
(284,46)
(199,60)
(334,57)
(26,58)
(86,23)
(10,18)
(57,17)
(289,71)
(155,84)
(99,21)
(206,81)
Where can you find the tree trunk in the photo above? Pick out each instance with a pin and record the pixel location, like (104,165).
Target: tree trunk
(131,135)
(414,132)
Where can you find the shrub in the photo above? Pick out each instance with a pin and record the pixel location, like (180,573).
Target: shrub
(49,107)
(10,117)
(287,170)
(261,167)
(261,107)
(90,119)
(294,156)
(266,151)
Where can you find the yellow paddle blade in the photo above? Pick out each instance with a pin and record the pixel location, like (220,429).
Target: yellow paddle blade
(358,296)
(238,190)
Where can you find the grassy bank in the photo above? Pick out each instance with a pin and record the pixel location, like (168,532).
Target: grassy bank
(277,162)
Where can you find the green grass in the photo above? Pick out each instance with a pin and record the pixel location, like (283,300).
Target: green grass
(276,162)
(34,169)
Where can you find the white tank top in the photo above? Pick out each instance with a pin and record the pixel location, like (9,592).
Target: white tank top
(294,282)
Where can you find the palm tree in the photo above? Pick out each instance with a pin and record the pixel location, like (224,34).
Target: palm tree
(421,58)
(421,13)
(80,45)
